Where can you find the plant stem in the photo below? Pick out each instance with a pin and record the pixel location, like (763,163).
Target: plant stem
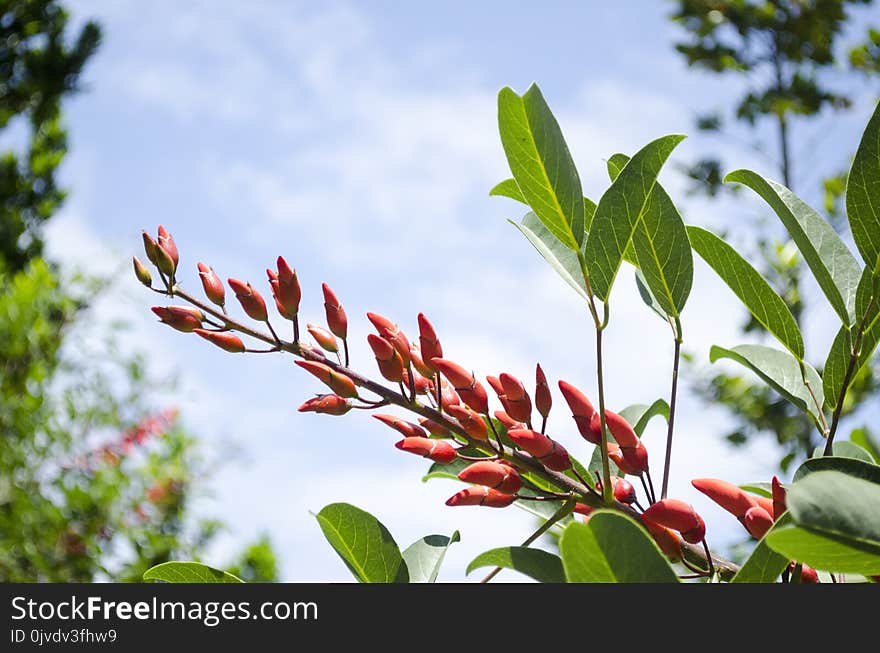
(546,526)
(607,489)
(676,329)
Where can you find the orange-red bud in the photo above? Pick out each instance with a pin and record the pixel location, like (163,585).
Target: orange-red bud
(778,498)
(435,429)
(665,538)
(582,411)
(508,422)
(765,503)
(471,423)
(479,495)
(429,344)
(583,509)
(327,404)
(543,399)
(142,272)
(324,338)
(389,361)
(498,476)
(727,495)
(679,516)
(519,404)
(623,489)
(251,301)
(419,364)
(166,243)
(757,522)
(182,318)
(420,384)
(337,320)
(630,460)
(289,293)
(407,429)
(808,574)
(439,451)
(465,383)
(448,396)
(393,334)
(619,428)
(223,339)
(214,289)
(338,383)
(551,454)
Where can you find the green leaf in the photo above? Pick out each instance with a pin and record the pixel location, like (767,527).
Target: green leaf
(189,572)
(661,247)
(835,268)
(638,415)
(424,556)
(753,290)
(536,564)
(780,371)
(845,449)
(854,467)
(612,548)
(364,544)
(834,371)
(541,509)
(758,487)
(595,466)
(450,471)
(508,188)
(618,212)
(862,437)
(647,296)
(764,565)
(837,524)
(541,163)
(561,258)
(863,193)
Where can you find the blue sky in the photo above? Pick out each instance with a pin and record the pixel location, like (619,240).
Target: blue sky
(359,140)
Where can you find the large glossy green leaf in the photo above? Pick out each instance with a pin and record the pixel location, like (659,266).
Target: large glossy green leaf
(537,564)
(844,449)
(854,467)
(561,258)
(424,556)
(835,268)
(837,523)
(612,548)
(618,212)
(508,188)
(863,438)
(189,572)
(834,370)
(863,193)
(752,289)
(761,488)
(638,415)
(647,296)
(364,544)
(764,565)
(780,371)
(541,163)
(661,246)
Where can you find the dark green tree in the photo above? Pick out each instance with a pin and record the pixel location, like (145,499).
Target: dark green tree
(788,56)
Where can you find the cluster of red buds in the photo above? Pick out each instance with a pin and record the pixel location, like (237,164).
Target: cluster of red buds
(506,449)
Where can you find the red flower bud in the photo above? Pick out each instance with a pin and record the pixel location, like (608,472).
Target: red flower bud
(251,301)
(623,489)
(165,263)
(407,429)
(543,399)
(679,516)
(465,383)
(508,422)
(289,292)
(495,475)
(765,503)
(439,451)
(389,361)
(727,495)
(393,334)
(420,384)
(665,538)
(551,454)
(142,272)
(471,423)
(327,404)
(214,289)
(166,243)
(223,339)
(583,509)
(582,411)
(428,341)
(419,364)
(338,383)
(323,337)
(778,498)
(808,574)
(151,248)
(757,522)
(448,396)
(478,495)
(619,428)
(182,318)
(630,460)
(337,320)
(435,429)
(519,404)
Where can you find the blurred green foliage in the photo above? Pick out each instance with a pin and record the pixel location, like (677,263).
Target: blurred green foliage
(96,482)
